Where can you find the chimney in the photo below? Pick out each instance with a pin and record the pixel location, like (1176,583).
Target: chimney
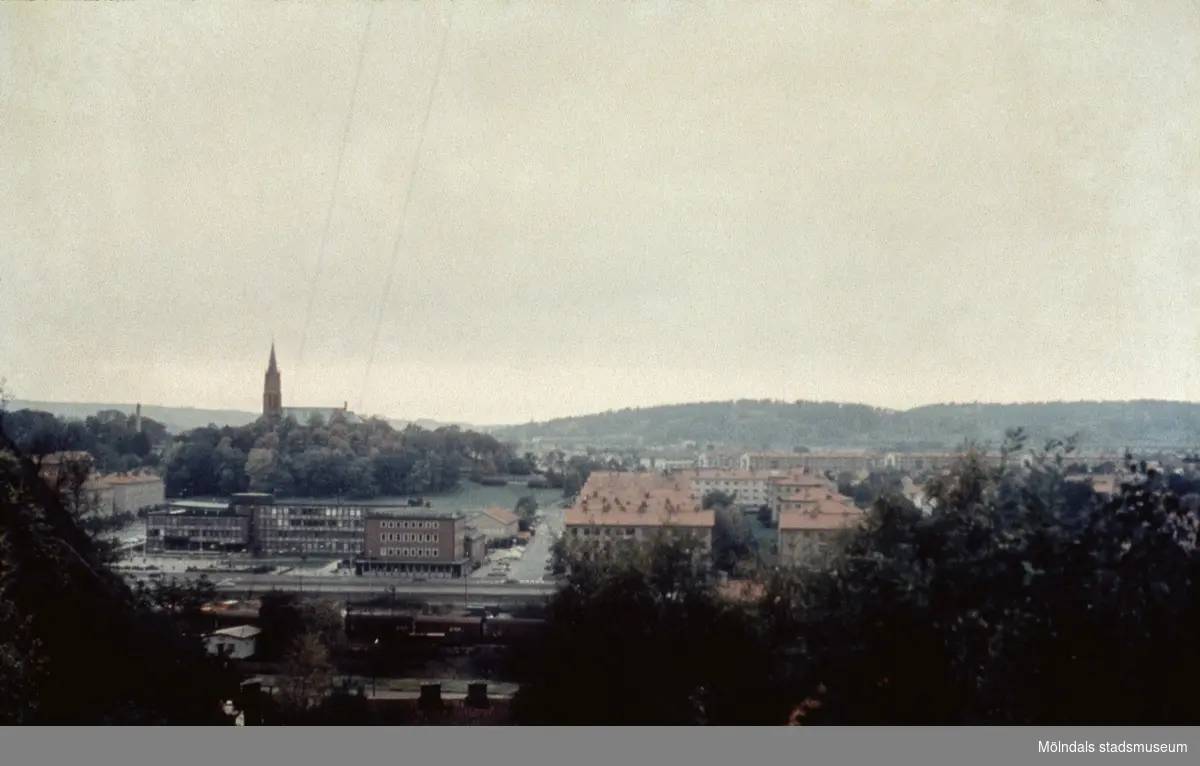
(431,696)
(137,419)
(477,695)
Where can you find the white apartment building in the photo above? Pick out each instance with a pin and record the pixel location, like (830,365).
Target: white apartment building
(751,489)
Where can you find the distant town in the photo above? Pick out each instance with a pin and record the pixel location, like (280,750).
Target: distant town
(334,566)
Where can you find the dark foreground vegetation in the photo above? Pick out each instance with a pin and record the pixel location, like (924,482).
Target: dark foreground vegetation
(1019,600)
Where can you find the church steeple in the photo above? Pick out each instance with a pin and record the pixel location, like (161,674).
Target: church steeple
(272,390)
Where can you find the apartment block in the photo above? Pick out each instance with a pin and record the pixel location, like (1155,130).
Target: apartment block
(809,531)
(750,489)
(614,507)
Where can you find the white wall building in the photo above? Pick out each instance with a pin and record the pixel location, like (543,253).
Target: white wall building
(238,643)
(496,523)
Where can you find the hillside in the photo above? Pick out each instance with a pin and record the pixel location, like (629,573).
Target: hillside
(785,425)
(176,419)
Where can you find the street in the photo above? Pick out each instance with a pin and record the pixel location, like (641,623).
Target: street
(527,565)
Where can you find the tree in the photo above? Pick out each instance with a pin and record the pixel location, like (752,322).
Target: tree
(642,631)
(526,510)
(718,499)
(1015,606)
(307,678)
(734,546)
(284,619)
(62,607)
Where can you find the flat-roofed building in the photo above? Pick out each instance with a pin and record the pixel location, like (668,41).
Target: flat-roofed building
(323,530)
(810,461)
(197,526)
(417,542)
(749,489)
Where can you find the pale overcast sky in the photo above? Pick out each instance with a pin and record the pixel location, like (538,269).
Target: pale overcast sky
(617,204)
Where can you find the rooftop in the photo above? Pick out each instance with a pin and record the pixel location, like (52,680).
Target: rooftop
(823,515)
(501,515)
(237,631)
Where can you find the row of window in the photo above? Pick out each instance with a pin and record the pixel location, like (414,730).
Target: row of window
(408,537)
(408,553)
(628,532)
(276,512)
(410,524)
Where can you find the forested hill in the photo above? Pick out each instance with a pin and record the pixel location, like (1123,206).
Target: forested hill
(786,425)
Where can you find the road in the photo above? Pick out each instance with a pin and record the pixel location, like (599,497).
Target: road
(345,586)
(531,567)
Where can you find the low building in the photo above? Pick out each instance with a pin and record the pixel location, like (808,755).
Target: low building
(807,534)
(417,542)
(134,491)
(237,643)
(496,523)
(197,527)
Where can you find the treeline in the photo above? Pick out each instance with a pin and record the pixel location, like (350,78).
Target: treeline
(111,437)
(77,645)
(769,424)
(1013,603)
(330,459)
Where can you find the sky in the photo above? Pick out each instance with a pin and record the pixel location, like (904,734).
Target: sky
(609,204)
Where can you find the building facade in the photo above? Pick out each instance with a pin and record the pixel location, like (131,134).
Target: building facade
(495,523)
(320,530)
(133,492)
(808,534)
(197,527)
(418,543)
(620,507)
(236,643)
(750,489)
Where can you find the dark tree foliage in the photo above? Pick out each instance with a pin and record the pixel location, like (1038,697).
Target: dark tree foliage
(1016,602)
(79,647)
(334,459)
(639,636)
(285,618)
(111,437)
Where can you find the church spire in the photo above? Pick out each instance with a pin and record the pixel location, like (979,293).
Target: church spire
(272,390)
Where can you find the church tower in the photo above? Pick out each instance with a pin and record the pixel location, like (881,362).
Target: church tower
(272,391)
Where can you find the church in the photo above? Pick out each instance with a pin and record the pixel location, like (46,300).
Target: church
(274,411)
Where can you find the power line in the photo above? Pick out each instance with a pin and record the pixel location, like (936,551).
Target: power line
(337,175)
(387,285)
